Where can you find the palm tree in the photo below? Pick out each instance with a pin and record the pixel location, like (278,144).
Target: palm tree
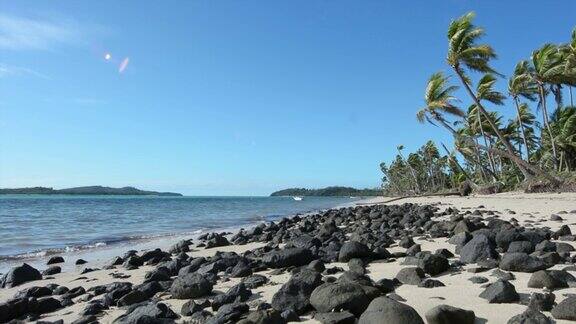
(569,51)
(521,85)
(416,184)
(526,121)
(465,53)
(439,99)
(485,92)
(547,68)
(563,123)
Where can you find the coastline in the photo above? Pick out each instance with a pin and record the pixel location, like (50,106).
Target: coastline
(524,208)
(99,253)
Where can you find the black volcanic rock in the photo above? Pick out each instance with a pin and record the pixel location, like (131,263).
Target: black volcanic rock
(521,262)
(500,292)
(55,259)
(288,257)
(389,311)
(341,296)
(19,275)
(295,293)
(445,314)
(190,285)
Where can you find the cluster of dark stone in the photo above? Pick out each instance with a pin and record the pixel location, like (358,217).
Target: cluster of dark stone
(355,235)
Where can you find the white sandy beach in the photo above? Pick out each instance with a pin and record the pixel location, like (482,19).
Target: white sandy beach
(459,292)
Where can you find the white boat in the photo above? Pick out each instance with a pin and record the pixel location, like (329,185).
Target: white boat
(297,198)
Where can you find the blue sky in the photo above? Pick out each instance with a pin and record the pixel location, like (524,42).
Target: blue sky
(232,97)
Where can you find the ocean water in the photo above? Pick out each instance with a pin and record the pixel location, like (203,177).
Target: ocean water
(41,225)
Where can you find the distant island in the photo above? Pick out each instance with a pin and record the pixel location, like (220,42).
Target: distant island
(89,190)
(328,192)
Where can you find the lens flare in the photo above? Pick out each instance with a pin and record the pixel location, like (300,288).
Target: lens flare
(123,65)
(107,56)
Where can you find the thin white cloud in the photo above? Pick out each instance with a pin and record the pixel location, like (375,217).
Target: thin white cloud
(44,33)
(10,71)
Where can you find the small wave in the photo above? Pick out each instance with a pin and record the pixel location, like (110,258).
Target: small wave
(245,222)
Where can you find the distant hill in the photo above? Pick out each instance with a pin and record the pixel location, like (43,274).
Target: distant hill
(328,192)
(90,190)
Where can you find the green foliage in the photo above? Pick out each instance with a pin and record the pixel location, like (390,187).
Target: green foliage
(487,147)
(89,190)
(432,172)
(328,192)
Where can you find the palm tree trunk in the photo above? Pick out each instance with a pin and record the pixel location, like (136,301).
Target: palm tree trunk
(518,161)
(509,147)
(457,163)
(547,124)
(477,151)
(417,185)
(481,126)
(456,135)
(522,130)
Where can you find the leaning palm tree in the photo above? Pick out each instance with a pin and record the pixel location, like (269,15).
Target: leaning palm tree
(564,122)
(547,68)
(526,121)
(485,92)
(439,99)
(569,51)
(521,85)
(464,53)
(399,148)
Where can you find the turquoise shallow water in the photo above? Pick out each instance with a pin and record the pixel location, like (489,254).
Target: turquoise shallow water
(39,225)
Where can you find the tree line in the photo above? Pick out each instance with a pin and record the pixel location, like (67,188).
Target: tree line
(538,145)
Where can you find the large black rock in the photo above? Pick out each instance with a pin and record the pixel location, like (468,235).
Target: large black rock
(341,296)
(287,258)
(445,314)
(566,309)
(229,313)
(295,293)
(385,310)
(55,259)
(547,279)
(238,293)
(521,262)
(477,249)
(265,316)
(44,305)
(19,275)
(190,285)
(433,264)
(500,292)
(335,318)
(530,316)
(146,313)
(351,250)
(410,276)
